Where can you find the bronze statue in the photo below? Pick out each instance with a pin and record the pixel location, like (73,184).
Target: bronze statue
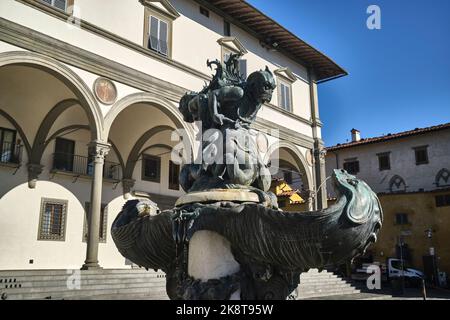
(229,104)
(272,247)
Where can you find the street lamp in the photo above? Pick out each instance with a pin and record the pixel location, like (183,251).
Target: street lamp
(402,279)
(429,234)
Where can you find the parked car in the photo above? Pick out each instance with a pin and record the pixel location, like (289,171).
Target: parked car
(396,269)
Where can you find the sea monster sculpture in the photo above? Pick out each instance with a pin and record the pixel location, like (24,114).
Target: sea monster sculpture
(272,247)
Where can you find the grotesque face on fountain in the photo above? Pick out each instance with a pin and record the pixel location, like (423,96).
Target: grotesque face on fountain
(344,182)
(261,85)
(358,194)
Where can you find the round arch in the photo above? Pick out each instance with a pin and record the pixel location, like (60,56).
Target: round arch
(300,160)
(161,104)
(68,77)
(19,129)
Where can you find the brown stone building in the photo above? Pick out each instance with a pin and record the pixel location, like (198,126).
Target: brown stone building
(421,221)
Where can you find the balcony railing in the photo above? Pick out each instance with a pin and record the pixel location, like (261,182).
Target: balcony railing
(11,153)
(81,165)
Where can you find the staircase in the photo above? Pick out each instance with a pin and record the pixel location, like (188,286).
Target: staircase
(89,284)
(131,283)
(322,284)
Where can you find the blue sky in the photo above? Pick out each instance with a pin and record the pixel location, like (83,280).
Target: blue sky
(399,76)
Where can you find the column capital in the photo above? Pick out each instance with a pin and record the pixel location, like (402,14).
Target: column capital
(127,185)
(98,149)
(320,153)
(308,195)
(34,170)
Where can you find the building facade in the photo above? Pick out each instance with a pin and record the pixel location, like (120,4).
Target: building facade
(88,104)
(410,172)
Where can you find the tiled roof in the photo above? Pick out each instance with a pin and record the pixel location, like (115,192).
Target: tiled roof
(287,193)
(388,137)
(276,37)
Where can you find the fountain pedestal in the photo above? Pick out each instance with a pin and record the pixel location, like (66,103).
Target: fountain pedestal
(210,257)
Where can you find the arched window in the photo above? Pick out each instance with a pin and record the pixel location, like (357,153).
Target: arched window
(443,178)
(397,184)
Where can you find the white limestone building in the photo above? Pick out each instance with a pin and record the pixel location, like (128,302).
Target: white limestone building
(89,91)
(417,160)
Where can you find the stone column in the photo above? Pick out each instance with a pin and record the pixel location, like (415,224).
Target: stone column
(97,151)
(319,151)
(320,173)
(309,196)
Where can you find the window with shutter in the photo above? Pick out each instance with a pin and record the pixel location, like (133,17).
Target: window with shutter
(242,63)
(158,36)
(153,40)
(226,28)
(163,35)
(243,68)
(60,4)
(285,96)
(174,173)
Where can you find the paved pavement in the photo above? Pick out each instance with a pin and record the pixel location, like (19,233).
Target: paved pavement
(409,294)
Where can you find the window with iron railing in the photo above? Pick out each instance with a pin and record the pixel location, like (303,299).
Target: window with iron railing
(443,200)
(384,161)
(52,224)
(84,165)
(103,226)
(421,154)
(401,218)
(10,151)
(151,168)
(65,160)
(351,167)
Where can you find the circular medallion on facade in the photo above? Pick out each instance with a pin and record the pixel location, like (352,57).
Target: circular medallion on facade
(261,142)
(309,157)
(105,91)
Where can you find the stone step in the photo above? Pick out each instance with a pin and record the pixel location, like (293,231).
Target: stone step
(319,286)
(132,296)
(82,282)
(320,279)
(41,284)
(328,281)
(95,286)
(51,272)
(318,275)
(327,291)
(330,292)
(33,278)
(159,293)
